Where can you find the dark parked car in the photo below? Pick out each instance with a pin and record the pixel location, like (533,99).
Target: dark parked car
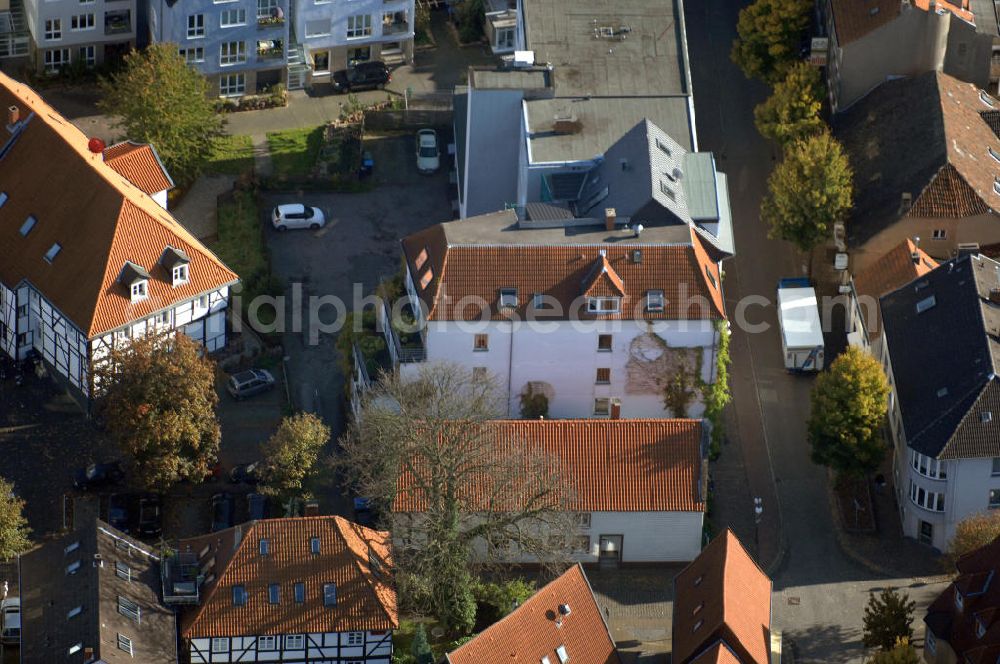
(362,76)
(248,383)
(256,506)
(150,516)
(222,511)
(244,473)
(118,512)
(98,475)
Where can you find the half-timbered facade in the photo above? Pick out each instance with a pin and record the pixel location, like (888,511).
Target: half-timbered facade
(312,590)
(99,262)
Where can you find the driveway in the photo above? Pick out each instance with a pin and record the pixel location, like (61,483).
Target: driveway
(357,248)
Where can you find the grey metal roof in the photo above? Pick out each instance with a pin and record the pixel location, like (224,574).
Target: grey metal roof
(49,594)
(602,121)
(640,54)
(494,124)
(700,186)
(945,356)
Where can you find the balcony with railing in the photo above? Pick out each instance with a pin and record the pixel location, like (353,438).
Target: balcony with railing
(270,14)
(270,49)
(395,23)
(15,39)
(404,346)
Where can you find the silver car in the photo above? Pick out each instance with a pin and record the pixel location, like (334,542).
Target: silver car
(428,156)
(297,215)
(247,383)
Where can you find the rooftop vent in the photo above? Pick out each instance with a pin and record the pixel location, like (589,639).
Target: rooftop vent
(13,115)
(986,416)
(564,609)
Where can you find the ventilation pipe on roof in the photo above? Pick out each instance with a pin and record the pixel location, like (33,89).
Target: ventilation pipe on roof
(13,115)
(88,655)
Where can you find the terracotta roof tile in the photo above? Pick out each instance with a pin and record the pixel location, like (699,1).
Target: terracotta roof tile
(365,600)
(452,273)
(99,218)
(530,632)
(979,584)
(610,465)
(140,164)
(722,594)
(853,19)
(717,654)
(603,281)
(893,270)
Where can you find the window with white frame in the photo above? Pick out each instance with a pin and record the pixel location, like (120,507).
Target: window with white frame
(359,25)
(88,55)
(939,234)
(318,28)
(267,8)
(220,644)
(232,53)
(196,26)
(53,29)
(55,59)
(295,642)
(232,17)
(232,85)
(82,22)
(355,638)
(192,55)
(928,467)
(603,305)
(138,290)
(128,608)
(929,500)
(654,300)
(266,643)
(123,571)
(180,274)
(125,644)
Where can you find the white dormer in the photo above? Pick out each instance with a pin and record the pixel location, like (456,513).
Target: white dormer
(177,265)
(136,280)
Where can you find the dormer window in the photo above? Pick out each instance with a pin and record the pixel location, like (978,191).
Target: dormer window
(136,280)
(508,298)
(176,262)
(179,275)
(654,300)
(603,305)
(139,290)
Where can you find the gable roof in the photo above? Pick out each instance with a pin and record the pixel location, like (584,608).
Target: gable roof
(366,599)
(924,136)
(943,396)
(853,20)
(898,267)
(140,164)
(530,631)
(50,592)
(973,631)
(100,219)
(474,258)
(608,465)
(722,595)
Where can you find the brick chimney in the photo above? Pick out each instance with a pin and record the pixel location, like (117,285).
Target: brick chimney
(13,115)
(610,216)
(311,508)
(616,410)
(88,655)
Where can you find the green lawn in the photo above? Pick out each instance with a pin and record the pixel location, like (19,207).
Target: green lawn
(294,152)
(233,155)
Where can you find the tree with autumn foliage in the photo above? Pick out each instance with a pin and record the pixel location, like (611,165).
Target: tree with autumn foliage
(849,404)
(14,530)
(291,453)
(792,111)
(157,396)
(158,99)
(902,653)
(971,533)
(808,192)
(769,34)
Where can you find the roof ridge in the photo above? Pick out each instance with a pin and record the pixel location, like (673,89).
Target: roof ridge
(366,575)
(958,402)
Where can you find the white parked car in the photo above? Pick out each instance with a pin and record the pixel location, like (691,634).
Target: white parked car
(296,215)
(428,155)
(10,610)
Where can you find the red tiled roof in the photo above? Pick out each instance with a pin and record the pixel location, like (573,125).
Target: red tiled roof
(99,218)
(893,270)
(717,654)
(455,272)
(140,164)
(365,600)
(979,584)
(530,631)
(603,281)
(853,19)
(722,594)
(609,465)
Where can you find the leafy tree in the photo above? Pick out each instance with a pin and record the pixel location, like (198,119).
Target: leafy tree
(158,99)
(972,533)
(901,653)
(466,490)
(421,647)
(887,619)
(716,394)
(849,403)
(792,110)
(808,192)
(157,395)
(290,454)
(496,600)
(769,33)
(14,531)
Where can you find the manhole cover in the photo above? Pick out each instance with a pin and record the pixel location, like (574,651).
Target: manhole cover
(794,601)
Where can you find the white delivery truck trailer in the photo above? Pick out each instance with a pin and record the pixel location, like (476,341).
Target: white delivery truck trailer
(801,331)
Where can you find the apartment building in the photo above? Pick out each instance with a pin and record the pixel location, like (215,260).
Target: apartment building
(83,33)
(100,263)
(944,407)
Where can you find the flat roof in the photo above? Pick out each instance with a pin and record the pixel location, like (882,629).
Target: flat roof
(610,47)
(502,228)
(510,78)
(602,121)
(799,316)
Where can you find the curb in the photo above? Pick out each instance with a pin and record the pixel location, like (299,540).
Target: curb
(779,558)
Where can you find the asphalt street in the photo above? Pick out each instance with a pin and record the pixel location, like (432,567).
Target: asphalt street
(819,593)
